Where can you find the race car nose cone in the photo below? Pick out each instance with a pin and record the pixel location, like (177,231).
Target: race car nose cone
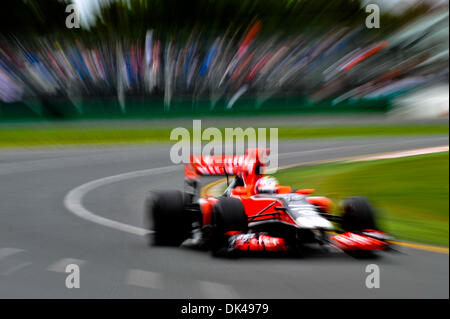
(313,222)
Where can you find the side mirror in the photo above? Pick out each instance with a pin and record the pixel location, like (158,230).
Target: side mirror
(239,190)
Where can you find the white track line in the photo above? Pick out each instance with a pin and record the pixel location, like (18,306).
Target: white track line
(73,200)
(60,265)
(214,290)
(16,268)
(347,147)
(7,251)
(144,279)
(419,151)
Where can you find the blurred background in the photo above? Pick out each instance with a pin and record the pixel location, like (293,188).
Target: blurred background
(144,59)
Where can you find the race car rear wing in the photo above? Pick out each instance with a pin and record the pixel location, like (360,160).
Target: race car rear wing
(225,165)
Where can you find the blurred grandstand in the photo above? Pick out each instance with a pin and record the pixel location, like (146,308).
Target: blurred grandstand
(144,58)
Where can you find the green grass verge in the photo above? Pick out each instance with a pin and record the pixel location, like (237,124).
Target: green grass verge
(411,193)
(25,136)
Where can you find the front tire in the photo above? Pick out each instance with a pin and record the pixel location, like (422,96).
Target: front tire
(170,223)
(228,215)
(358,214)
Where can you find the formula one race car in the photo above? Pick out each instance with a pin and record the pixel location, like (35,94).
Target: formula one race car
(255,213)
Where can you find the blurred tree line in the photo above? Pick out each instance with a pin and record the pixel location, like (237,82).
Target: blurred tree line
(132,18)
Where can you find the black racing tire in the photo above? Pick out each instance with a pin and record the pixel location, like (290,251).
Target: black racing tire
(228,215)
(165,212)
(358,214)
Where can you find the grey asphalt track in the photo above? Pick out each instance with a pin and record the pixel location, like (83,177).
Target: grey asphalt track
(39,236)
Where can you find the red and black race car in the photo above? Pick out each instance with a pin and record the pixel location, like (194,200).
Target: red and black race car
(255,213)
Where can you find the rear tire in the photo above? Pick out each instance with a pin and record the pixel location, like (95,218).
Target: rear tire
(358,214)
(165,211)
(228,215)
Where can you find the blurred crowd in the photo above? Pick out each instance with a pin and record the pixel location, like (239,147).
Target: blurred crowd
(342,63)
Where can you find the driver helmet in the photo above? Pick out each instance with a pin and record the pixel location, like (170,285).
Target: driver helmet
(266,184)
